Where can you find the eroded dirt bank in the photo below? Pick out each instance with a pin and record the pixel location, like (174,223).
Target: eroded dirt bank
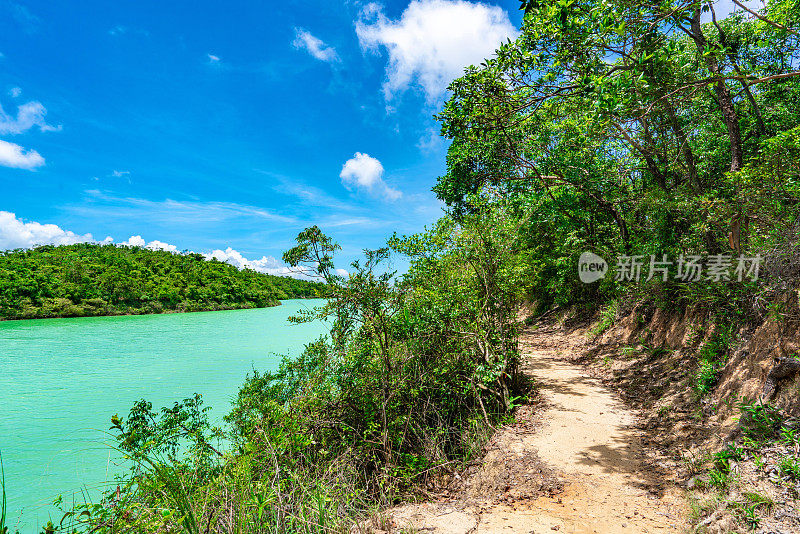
(573,463)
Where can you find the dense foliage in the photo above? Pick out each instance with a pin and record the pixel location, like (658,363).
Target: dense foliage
(89,279)
(630,127)
(614,126)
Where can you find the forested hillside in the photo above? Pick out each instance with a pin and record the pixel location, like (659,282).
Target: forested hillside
(89,279)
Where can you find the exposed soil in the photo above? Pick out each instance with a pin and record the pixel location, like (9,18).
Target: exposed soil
(575,462)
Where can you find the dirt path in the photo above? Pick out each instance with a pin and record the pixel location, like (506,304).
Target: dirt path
(573,465)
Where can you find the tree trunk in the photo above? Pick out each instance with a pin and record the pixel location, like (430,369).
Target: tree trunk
(723,95)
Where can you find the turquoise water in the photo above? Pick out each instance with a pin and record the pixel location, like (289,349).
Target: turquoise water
(61,380)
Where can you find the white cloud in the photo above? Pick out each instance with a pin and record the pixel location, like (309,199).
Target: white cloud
(171,211)
(13,155)
(121,174)
(267,264)
(14,233)
(433,41)
(137,241)
(303,40)
(28,115)
(134,241)
(365,172)
(160,245)
(15,92)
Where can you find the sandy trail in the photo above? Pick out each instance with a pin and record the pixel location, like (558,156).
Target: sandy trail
(585,436)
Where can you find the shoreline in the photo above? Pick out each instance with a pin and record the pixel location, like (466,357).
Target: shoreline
(163,312)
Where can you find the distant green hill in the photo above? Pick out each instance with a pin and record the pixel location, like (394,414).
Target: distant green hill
(89,279)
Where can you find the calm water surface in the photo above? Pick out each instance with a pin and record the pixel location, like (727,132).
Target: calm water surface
(62,379)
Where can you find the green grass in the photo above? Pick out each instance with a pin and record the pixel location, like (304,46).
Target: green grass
(712,357)
(759,499)
(607,318)
(790,467)
(760,422)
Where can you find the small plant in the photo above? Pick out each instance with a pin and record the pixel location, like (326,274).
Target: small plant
(694,463)
(790,436)
(706,378)
(696,333)
(790,467)
(758,499)
(759,421)
(750,516)
(719,478)
(750,443)
(712,357)
(758,460)
(730,452)
(720,474)
(607,317)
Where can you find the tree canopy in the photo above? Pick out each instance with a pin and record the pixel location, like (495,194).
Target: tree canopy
(633,127)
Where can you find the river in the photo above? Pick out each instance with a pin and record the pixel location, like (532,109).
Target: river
(61,380)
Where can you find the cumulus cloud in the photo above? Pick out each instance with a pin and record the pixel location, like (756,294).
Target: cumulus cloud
(137,241)
(304,40)
(28,115)
(134,241)
(13,155)
(160,245)
(15,233)
(433,41)
(267,264)
(362,171)
(15,92)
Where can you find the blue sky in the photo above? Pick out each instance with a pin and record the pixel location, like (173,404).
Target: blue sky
(204,126)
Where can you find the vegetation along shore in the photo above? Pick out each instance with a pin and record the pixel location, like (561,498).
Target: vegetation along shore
(93,280)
